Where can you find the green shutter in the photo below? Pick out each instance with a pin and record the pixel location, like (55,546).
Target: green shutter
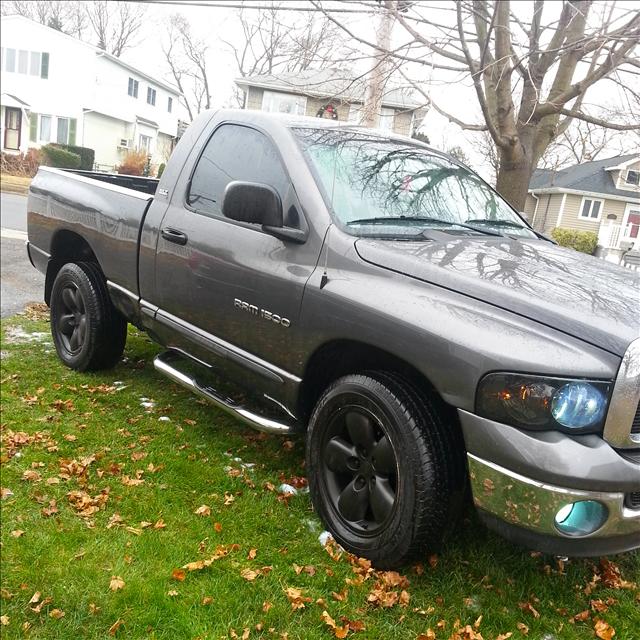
(33,127)
(44,69)
(72,130)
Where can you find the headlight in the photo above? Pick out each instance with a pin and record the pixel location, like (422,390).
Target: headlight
(537,402)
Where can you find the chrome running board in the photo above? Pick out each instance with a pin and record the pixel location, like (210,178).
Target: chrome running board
(164,364)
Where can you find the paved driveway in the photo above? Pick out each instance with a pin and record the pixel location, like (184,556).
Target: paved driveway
(20,283)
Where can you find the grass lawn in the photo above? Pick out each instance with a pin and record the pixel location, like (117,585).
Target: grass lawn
(14,184)
(113,483)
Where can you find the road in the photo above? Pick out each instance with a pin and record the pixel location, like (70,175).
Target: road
(20,283)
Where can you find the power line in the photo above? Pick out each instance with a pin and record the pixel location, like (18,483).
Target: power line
(229,5)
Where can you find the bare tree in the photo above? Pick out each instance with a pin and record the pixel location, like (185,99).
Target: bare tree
(186,57)
(68,17)
(115,24)
(273,42)
(529,76)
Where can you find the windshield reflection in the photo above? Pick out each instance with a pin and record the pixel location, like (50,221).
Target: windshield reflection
(372,182)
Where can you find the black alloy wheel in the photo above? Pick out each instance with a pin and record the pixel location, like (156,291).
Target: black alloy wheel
(386,466)
(88,331)
(72,318)
(361,469)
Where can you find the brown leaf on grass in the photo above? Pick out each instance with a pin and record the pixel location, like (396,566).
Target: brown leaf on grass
(17,533)
(203,510)
(252,554)
(172,594)
(52,509)
(206,600)
(527,607)
(340,596)
(113,629)
(5,492)
(35,598)
(217,527)
(116,583)
(504,636)
(31,476)
(159,524)
(522,628)
(94,609)
(600,606)
(131,482)
(4,620)
(70,437)
(52,481)
(56,614)
(611,576)
(136,456)
(354,625)
(63,405)
(604,630)
(429,634)
(114,520)
(266,605)
(85,505)
(433,560)
(229,498)
(338,631)
(43,603)
(582,616)
(404,598)
(296,598)
(179,574)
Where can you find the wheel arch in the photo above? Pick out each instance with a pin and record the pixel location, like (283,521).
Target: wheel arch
(66,246)
(337,358)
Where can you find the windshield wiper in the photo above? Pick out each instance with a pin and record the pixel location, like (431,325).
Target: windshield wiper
(510,223)
(447,223)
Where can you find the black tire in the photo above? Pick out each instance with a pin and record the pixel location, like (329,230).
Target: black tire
(88,331)
(414,488)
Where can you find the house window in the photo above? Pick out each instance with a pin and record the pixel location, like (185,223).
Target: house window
(385,121)
(151,96)
(169,104)
(132,89)
(274,102)
(11,60)
(144,143)
(45,129)
(36,63)
(66,131)
(23,59)
(44,69)
(633,177)
(591,209)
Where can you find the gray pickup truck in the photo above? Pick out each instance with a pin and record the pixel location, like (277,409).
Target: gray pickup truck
(311,276)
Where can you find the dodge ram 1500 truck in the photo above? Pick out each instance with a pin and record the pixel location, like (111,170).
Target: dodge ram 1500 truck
(370,291)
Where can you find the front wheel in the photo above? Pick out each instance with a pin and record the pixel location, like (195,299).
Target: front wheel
(385,467)
(88,331)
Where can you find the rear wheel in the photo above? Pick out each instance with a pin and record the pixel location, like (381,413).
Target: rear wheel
(384,467)
(88,331)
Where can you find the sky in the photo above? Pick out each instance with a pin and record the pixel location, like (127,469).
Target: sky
(452,93)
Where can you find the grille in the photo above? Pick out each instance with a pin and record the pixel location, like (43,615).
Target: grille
(635,425)
(632,500)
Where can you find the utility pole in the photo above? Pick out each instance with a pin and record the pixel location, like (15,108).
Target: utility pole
(380,71)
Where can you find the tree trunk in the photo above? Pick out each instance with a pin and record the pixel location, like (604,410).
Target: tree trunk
(514,173)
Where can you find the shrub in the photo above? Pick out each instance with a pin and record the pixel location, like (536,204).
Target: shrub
(134,163)
(161,169)
(583,241)
(54,156)
(21,164)
(87,156)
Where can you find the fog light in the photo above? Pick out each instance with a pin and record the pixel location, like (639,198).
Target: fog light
(581,518)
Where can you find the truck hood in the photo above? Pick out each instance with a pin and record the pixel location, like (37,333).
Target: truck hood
(583,296)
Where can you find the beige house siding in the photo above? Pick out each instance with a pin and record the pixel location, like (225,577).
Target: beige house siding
(571,216)
(315,104)
(254,99)
(547,215)
(529,207)
(402,122)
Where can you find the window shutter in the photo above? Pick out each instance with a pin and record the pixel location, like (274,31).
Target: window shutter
(44,69)
(33,127)
(72,130)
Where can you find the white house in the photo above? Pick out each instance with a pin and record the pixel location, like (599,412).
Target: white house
(56,88)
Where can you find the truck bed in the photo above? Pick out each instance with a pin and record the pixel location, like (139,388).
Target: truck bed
(102,210)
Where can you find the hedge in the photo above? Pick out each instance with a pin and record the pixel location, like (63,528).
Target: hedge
(583,241)
(87,156)
(54,156)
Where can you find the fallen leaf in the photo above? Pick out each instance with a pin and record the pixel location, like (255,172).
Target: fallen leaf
(266,606)
(4,620)
(503,636)
(604,630)
(179,574)
(429,634)
(31,476)
(172,594)
(249,574)
(207,600)
(522,628)
(528,608)
(252,554)
(217,527)
(113,629)
(582,616)
(203,510)
(35,598)
(159,525)
(116,583)
(17,533)
(296,598)
(56,613)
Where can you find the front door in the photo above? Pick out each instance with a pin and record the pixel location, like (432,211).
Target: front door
(12,126)
(231,281)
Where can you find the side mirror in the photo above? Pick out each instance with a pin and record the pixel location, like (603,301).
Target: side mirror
(252,202)
(259,204)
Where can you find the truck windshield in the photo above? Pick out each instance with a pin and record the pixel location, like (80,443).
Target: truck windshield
(371,182)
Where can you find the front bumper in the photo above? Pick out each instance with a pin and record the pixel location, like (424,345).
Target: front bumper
(524,511)
(520,480)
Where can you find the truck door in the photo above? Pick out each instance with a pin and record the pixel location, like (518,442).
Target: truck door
(222,280)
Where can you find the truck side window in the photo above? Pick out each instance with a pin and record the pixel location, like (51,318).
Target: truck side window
(234,153)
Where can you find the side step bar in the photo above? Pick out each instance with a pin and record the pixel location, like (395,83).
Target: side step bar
(164,364)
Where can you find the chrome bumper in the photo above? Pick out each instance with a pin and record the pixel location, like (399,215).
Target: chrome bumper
(530,505)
